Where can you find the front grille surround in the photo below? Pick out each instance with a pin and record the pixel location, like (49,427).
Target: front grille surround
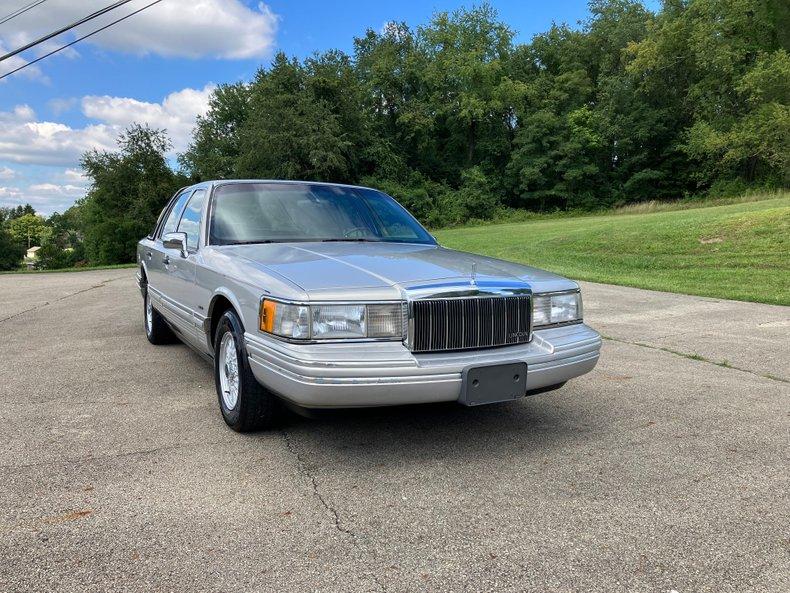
(468,323)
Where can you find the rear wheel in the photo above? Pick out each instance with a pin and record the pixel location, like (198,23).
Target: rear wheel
(245,404)
(156,329)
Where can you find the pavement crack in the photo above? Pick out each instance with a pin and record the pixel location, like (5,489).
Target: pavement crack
(316,491)
(699,358)
(305,471)
(102,284)
(89,458)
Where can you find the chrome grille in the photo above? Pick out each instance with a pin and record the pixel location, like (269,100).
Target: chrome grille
(465,323)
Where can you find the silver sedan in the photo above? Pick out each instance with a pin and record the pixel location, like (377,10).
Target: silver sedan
(322,295)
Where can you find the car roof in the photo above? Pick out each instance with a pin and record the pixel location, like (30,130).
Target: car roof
(218,182)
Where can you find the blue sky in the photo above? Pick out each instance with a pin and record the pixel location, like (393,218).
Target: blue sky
(51,112)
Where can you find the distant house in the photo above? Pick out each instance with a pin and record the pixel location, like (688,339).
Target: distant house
(31,256)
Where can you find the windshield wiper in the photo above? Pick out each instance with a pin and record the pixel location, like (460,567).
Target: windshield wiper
(254,242)
(351,240)
(300,240)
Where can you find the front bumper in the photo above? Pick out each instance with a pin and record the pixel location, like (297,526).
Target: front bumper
(366,374)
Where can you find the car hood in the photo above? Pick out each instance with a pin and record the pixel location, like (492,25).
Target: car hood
(329,269)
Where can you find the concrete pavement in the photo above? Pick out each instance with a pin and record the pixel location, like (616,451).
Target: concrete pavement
(661,470)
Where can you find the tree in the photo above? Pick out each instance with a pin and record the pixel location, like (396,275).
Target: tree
(455,119)
(7,213)
(708,60)
(389,66)
(27,229)
(12,213)
(291,132)
(558,158)
(128,190)
(11,251)
(757,144)
(467,90)
(62,246)
(215,140)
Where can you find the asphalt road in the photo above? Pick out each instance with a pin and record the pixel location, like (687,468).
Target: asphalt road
(665,469)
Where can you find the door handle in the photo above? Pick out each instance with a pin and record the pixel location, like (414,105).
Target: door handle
(148,254)
(166,260)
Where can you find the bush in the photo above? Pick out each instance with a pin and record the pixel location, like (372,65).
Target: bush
(420,196)
(11,251)
(53,257)
(436,204)
(475,200)
(730,188)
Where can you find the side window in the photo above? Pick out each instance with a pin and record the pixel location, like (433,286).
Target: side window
(175,212)
(190,220)
(159,221)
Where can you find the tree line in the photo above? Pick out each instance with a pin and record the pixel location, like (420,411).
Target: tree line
(459,122)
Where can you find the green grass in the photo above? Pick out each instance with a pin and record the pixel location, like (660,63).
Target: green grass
(84,269)
(737,251)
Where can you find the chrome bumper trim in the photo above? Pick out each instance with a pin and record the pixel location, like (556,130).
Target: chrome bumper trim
(389,374)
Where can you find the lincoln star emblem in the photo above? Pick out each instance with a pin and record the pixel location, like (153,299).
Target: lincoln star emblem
(473,279)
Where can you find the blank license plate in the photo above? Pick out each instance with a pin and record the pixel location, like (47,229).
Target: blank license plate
(493,383)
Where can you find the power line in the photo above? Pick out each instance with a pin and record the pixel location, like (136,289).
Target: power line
(91,34)
(49,36)
(19,11)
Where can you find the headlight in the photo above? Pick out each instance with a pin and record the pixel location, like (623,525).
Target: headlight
(289,321)
(329,322)
(339,321)
(551,309)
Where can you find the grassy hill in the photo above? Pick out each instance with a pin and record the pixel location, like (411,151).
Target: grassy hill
(737,251)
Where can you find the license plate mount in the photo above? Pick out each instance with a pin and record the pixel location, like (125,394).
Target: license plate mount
(493,383)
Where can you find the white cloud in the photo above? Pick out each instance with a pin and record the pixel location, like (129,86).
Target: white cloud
(29,143)
(227,29)
(6,66)
(48,190)
(59,106)
(24,139)
(46,198)
(196,28)
(75,176)
(176,113)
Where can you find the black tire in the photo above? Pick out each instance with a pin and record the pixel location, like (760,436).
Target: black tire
(255,407)
(156,329)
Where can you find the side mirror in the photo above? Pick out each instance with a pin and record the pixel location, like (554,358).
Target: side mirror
(175,241)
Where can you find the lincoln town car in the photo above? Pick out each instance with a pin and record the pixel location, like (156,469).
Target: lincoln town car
(317,295)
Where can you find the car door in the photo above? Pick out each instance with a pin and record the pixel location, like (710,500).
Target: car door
(181,269)
(157,258)
(173,271)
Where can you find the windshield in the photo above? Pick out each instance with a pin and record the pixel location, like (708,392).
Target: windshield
(288,212)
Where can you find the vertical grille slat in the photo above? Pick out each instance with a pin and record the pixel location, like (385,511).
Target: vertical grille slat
(467,323)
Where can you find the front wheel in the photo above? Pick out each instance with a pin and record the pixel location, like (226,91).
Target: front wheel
(245,404)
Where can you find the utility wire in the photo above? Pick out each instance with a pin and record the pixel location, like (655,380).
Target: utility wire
(19,11)
(91,34)
(49,36)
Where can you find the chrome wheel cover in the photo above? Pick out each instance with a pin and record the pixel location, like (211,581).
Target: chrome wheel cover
(228,371)
(149,312)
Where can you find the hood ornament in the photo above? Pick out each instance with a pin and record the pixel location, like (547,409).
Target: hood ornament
(473,277)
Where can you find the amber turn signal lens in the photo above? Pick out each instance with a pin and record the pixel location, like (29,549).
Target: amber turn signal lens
(268,309)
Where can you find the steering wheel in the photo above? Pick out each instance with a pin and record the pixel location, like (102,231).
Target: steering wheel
(357,229)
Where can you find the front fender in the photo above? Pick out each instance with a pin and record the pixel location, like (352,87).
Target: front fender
(225,292)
